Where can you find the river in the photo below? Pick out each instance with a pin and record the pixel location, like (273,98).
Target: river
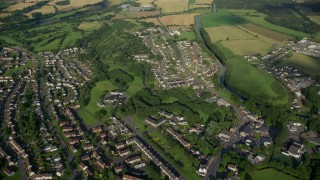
(223,67)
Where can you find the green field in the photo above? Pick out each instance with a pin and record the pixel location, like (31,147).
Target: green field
(252,82)
(304,63)
(268,174)
(220,18)
(88,112)
(259,19)
(4,5)
(189,35)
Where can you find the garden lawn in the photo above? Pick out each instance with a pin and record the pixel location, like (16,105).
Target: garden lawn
(220,18)
(304,63)
(268,174)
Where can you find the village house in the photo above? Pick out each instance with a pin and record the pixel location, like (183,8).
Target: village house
(296,150)
(232,167)
(166,114)
(225,135)
(154,122)
(178,137)
(124,152)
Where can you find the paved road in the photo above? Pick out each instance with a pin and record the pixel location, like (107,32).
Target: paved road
(22,170)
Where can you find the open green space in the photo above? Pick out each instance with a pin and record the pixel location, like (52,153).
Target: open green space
(47,37)
(304,63)
(220,18)
(177,154)
(258,18)
(9,72)
(268,174)
(252,82)
(4,5)
(188,35)
(88,112)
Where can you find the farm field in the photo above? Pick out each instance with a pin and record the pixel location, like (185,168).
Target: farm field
(171,6)
(74,4)
(273,174)
(266,32)
(180,20)
(220,18)
(144,3)
(239,40)
(258,18)
(43,10)
(89,26)
(252,82)
(144,14)
(304,63)
(203,1)
(19,6)
(315,19)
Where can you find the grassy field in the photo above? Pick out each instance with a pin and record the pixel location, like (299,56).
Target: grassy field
(144,14)
(74,4)
(90,26)
(252,82)
(268,174)
(172,6)
(88,112)
(258,18)
(189,35)
(220,18)
(4,5)
(304,63)
(179,19)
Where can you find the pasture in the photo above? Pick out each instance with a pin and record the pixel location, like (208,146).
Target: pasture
(239,40)
(203,1)
(267,174)
(259,19)
(252,82)
(90,26)
(306,64)
(179,19)
(172,6)
(220,18)
(145,3)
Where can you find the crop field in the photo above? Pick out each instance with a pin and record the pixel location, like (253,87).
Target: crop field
(252,82)
(145,3)
(203,1)
(171,6)
(304,63)
(19,6)
(267,32)
(220,18)
(74,4)
(180,20)
(315,19)
(2,15)
(144,14)
(273,174)
(239,40)
(259,19)
(89,26)
(42,10)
